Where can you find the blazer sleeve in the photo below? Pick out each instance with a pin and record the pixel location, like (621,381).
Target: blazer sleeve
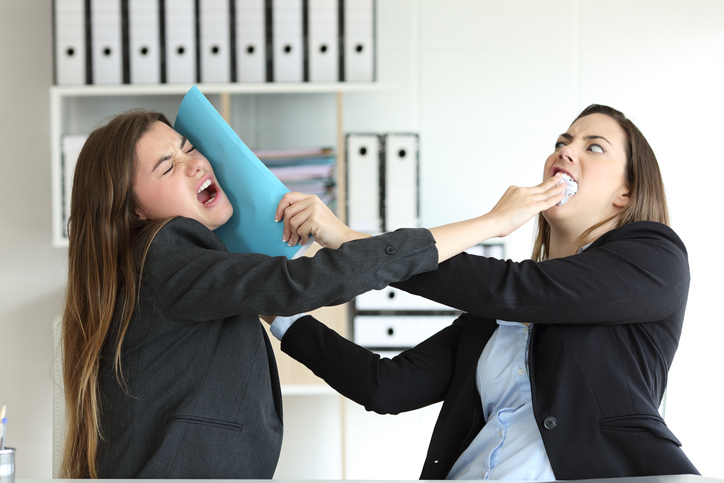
(415,378)
(637,273)
(194,278)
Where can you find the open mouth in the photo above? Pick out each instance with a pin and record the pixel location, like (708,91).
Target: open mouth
(565,173)
(207,192)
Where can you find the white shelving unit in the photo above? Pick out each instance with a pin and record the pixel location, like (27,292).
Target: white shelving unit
(63,97)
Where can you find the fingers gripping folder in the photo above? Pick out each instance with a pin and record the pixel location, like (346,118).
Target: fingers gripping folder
(253,190)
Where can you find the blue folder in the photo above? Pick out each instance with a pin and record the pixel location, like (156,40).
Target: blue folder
(253,190)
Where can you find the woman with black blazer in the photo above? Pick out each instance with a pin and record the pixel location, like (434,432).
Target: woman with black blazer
(559,365)
(167,370)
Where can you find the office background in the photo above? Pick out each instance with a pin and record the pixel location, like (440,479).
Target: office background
(488,86)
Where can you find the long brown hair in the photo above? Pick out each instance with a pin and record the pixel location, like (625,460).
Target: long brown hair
(647,198)
(104,268)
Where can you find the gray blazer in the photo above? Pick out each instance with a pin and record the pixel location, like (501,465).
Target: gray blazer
(202,396)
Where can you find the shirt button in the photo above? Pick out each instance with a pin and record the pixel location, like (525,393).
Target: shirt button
(390,250)
(520,371)
(500,433)
(550,422)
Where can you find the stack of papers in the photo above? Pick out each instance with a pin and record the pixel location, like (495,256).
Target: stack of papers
(308,171)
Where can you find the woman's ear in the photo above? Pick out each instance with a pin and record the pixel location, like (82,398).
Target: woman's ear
(622,198)
(139,214)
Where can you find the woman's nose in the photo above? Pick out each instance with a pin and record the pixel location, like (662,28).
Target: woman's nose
(193,165)
(566,153)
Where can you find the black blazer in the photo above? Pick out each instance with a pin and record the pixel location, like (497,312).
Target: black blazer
(202,396)
(607,325)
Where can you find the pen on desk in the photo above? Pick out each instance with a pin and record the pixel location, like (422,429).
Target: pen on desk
(3,423)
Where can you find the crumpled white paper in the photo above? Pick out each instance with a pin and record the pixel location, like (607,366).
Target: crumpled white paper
(571,188)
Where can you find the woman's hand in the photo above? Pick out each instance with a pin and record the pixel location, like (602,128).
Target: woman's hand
(518,205)
(513,210)
(306,214)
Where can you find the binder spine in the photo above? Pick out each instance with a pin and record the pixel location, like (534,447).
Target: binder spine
(232,41)
(340,47)
(269,17)
(55,41)
(88,44)
(125,43)
(305,40)
(383,183)
(162,40)
(374,46)
(197,33)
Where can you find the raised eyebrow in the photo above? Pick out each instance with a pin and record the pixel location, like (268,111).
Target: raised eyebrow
(587,138)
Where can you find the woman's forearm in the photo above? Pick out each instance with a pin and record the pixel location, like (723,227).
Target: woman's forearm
(457,237)
(516,207)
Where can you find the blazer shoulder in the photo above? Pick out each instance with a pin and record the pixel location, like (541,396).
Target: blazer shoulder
(182,231)
(650,231)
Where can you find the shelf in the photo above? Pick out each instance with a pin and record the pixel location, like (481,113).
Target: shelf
(235,88)
(307,390)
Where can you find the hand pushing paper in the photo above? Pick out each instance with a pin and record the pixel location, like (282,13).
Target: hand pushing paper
(253,190)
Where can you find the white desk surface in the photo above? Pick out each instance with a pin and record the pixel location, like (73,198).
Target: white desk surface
(642,479)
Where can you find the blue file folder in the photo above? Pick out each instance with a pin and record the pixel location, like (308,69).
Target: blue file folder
(253,190)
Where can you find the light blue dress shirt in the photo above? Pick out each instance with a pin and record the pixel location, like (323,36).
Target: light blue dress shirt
(281,324)
(509,447)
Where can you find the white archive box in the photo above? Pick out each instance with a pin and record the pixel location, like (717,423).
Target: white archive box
(144,41)
(363,182)
(180,25)
(70,54)
(250,41)
(402,181)
(359,40)
(390,298)
(323,49)
(106,41)
(288,41)
(215,40)
(397,331)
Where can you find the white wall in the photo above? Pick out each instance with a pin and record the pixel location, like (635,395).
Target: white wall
(488,85)
(32,276)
